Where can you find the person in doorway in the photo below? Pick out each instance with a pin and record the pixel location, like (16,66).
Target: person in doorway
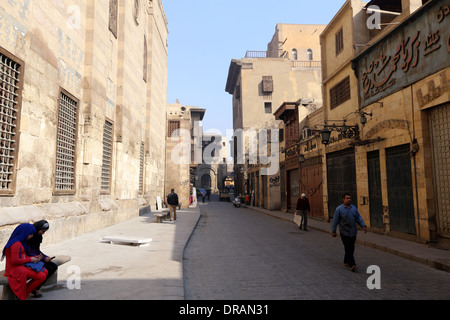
(34,249)
(16,270)
(203,196)
(172,202)
(346,217)
(302,209)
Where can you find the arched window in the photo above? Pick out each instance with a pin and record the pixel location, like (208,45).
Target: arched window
(310,54)
(294,54)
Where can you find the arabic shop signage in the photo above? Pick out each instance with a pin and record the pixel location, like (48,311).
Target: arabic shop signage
(416,49)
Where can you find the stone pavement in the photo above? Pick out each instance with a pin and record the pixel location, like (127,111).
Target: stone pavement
(433,257)
(107,271)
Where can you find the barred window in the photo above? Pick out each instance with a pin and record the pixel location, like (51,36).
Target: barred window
(11,79)
(107,157)
(113,11)
(141,169)
(340,93)
(339,41)
(173,126)
(66,145)
(145,58)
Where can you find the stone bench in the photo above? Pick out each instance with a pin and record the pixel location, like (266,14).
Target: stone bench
(137,242)
(161,216)
(52,281)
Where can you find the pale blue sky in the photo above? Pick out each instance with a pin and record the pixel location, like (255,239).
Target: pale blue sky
(205,35)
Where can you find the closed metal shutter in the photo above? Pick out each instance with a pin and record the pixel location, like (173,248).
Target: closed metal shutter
(440,132)
(341,178)
(400,190)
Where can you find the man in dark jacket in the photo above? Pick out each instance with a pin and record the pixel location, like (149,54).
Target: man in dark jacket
(302,210)
(172,202)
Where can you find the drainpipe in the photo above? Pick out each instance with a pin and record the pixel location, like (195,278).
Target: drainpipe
(415,149)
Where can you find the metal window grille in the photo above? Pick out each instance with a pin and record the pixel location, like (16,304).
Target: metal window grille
(107,156)
(141,169)
(9,96)
(65,151)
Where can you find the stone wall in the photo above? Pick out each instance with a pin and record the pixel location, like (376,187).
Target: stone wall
(67,47)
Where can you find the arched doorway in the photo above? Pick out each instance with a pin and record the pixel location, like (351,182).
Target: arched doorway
(206,181)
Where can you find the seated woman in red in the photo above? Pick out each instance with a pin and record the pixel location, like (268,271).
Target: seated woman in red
(16,258)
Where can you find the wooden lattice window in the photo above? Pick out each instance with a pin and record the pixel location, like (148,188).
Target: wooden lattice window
(107,157)
(267,85)
(173,126)
(340,93)
(11,82)
(66,145)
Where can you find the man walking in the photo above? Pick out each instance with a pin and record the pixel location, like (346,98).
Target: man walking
(172,202)
(347,216)
(302,210)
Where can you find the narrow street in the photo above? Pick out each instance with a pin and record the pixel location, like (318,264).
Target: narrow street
(240,254)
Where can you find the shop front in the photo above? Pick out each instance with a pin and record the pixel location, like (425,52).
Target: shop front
(403,157)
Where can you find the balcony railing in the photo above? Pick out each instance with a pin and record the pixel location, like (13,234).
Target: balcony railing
(306,64)
(262,54)
(276,54)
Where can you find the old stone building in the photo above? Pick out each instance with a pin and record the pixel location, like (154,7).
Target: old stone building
(184,151)
(260,83)
(390,82)
(83,91)
(301,156)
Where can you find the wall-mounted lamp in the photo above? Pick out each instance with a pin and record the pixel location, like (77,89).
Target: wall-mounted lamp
(348,132)
(301,158)
(364,118)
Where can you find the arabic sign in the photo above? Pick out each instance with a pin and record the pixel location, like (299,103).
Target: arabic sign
(419,47)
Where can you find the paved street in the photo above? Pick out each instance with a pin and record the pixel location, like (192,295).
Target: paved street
(237,253)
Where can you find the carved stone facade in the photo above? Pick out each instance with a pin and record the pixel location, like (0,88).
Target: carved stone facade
(85,85)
